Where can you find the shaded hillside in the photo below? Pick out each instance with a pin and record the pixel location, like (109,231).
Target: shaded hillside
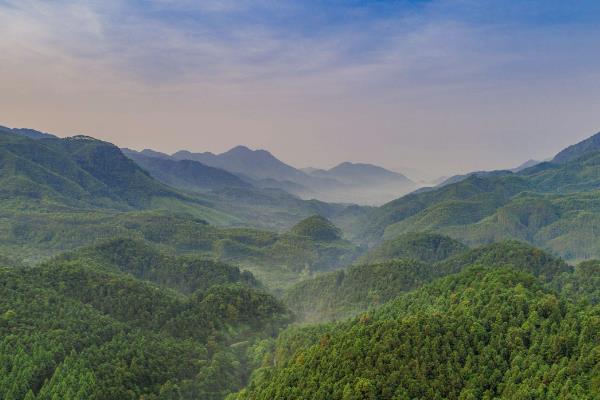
(362,174)
(582,148)
(30,133)
(461,203)
(186,174)
(77,171)
(256,164)
(544,205)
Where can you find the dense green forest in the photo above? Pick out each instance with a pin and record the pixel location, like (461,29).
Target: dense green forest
(72,329)
(182,281)
(550,205)
(345,293)
(426,247)
(480,334)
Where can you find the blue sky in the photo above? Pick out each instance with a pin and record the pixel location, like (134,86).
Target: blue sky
(439,86)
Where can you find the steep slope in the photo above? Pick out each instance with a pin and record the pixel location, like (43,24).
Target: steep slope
(484,333)
(464,202)
(257,164)
(582,148)
(347,182)
(543,204)
(525,165)
(516,255)
(77,171)
(575,175)
(186,174)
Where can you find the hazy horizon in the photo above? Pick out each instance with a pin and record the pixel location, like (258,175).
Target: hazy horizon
(436,86)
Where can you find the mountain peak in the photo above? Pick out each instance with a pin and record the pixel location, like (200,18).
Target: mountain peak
(577,150)
(243,150)
(240,148)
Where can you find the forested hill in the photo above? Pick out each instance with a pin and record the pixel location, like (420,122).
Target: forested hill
(78,171)
(345,293)
(72,330)
(426,247)
(187,175)
(186,274)
(481,334)
(549,205)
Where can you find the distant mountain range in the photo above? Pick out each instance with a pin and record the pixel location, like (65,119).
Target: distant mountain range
(551,204)
(185,174)
(445,181)
(348,182)
(358,174)
(254,164)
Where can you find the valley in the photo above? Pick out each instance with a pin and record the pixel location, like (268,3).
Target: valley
(141,275)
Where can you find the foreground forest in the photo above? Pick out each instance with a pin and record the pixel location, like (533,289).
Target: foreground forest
(115,284)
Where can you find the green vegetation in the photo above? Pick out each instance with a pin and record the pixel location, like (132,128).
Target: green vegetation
(481,334)
(187,175)
(583,284)
(114,285)
(276,259)
(345,293)
(519,256)
(426,247)
(76,172)
(317,228)
(186,274)
(552,206)
(72,329)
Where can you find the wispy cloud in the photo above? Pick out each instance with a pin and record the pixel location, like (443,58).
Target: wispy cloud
(406,68)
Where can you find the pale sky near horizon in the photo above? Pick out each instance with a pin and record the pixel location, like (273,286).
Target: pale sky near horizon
(440,86)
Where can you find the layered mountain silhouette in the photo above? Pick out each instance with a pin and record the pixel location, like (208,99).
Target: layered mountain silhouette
(347,182)
(255,164)
(78,170)
(359,173)
(549,205)
(185,174)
